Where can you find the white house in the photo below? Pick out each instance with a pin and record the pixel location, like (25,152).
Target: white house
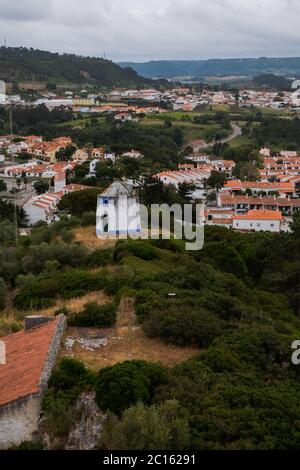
(93,167)
(118,211)
(42,207)
(258,221)
(132,154)
(110,156)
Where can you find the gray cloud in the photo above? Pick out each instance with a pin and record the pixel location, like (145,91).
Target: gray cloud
(156,29)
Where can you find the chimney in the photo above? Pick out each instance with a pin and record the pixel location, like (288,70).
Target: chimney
(35,320)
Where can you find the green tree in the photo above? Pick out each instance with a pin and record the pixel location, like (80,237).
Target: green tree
(185,190)
(216,180)
(41,187)
(94,315)
(246,171)
(3,186)
(124,384)
(78,202)
(147,428)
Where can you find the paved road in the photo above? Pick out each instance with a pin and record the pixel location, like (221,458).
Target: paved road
(236,132)
(22,196)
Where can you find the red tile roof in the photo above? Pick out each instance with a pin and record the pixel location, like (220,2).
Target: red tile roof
(260,215)
(26,353)
(237,184)
(227,199)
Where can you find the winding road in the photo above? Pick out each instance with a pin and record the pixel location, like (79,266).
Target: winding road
(236,132)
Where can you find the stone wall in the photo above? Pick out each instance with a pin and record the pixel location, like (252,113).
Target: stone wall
(53,352)
(18,421)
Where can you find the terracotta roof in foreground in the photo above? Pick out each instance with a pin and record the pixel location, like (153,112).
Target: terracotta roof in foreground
(26,354)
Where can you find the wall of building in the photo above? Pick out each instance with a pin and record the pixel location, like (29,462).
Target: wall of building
(257,225)
(35,214)
(123,215)
(19,421)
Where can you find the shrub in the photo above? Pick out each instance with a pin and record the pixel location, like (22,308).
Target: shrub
(122,385)
(70,374)
(29,445)
(67,235)
(63,310)
(59,417)
(88,218)
(139,249)
(119,278)
(171,245)
(37,256)
(146,428)
(94,315)
(41,293)
(67,381)
(100,258)
(182,327)
(3,293)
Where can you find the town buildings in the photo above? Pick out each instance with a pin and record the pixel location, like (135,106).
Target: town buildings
(43,207)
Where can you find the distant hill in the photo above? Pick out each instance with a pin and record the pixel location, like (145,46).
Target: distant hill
(270,80)
(216,67)
(26,65)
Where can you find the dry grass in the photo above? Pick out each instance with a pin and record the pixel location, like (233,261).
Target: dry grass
(9,324)
(87,236)
(12,319)
(124,342)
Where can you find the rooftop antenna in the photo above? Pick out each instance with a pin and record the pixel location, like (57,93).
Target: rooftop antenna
(5,43)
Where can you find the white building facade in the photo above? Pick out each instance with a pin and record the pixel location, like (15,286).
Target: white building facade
(118,211)
(258,221)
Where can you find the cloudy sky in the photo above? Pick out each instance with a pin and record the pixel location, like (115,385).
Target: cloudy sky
(141,30)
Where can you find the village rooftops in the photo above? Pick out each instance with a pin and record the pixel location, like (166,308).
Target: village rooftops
(238,185)
(118,189)
(27,355)
(226,199)
(260,215)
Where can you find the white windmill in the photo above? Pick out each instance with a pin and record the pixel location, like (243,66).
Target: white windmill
(118,211)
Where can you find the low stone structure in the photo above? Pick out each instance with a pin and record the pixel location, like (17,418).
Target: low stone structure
(31,355)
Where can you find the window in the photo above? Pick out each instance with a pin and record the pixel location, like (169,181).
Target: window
(272,225)
(105,201)
(258,225)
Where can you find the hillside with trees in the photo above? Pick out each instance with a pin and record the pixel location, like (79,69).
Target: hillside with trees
(236,302)
(221,67)
(28,65)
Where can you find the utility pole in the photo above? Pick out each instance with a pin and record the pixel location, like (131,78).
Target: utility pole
(13,162)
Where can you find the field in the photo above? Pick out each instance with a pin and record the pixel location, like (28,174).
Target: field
(80,122)
(87,237)
(126,341)
(190,130)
